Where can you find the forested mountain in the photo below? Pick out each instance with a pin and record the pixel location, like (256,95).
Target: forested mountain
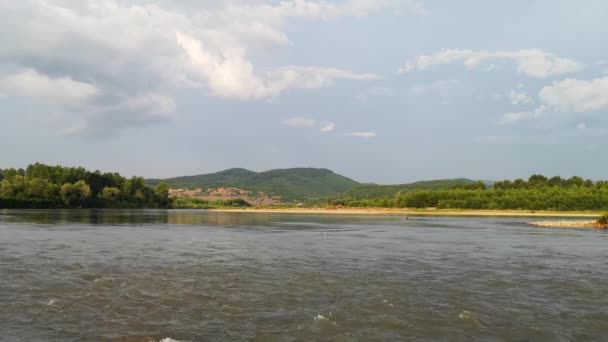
(305,184)
(290,184)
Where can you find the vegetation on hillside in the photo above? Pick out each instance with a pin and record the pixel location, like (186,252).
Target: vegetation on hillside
(221,179)
(537,193)
(372,191)
(43,186)
(298,184)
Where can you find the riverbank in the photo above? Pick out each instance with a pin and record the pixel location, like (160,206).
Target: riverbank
(568,224)
(415,212)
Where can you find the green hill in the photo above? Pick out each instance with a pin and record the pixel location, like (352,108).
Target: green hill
(369,191)
(291,184)
(300,184)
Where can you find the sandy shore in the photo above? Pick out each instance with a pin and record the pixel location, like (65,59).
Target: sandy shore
(415,212)
(567,224)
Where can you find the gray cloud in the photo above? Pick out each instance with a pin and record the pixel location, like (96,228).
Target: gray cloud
(113,64)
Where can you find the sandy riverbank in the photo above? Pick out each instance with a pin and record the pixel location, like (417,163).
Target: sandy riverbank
(416,212)
(568,224)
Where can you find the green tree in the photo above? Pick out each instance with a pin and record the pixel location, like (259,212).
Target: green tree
(14,187)
(110,194)
(555,181)
(6,188)
(575,181)
(520,184)
(537,180)
(38,188)
(162,194)
(75,194)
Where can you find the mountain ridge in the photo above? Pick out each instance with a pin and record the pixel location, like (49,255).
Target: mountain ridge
(291,183)
(300,183)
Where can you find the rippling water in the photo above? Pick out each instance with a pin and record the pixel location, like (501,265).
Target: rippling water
(205,276)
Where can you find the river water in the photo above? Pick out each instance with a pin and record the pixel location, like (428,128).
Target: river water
(157,275)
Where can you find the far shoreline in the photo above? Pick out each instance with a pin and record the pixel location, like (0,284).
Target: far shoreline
(413,212)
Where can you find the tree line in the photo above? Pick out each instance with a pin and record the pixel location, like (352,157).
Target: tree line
(536,193)
(197,203)
(44,186)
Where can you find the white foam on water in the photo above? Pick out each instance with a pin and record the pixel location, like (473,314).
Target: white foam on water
(465,315)
(50,302)
(168,339)
(104,279)
(320,318)
(328,318)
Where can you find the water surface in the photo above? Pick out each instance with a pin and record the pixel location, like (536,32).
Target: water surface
(204,276)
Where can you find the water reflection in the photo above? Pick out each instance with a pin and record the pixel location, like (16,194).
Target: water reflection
(178,217)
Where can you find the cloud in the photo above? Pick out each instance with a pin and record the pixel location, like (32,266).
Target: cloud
(302,122)
(107,117)
(568,96)
(327,127)
(324,126)
(514,117)
(93,51)
(518,98)
(572,95)
(299,121)
(533,62)
(60,90)
(366,135)
(581,126)
(232,75)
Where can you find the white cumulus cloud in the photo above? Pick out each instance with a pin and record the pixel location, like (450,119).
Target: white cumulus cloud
(531,62)
(575,95)
(568,96)
(230,74)
(514,117)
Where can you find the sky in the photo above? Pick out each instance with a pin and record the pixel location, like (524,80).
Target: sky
(385,91)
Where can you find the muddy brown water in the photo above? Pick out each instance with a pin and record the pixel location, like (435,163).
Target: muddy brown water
(152,275)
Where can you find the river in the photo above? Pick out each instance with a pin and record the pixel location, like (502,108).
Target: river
(157,275)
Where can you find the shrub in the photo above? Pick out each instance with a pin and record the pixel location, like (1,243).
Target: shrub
(603,220)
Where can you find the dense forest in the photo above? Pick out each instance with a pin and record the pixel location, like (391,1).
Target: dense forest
(537,193)
(374,191)
(44,186)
